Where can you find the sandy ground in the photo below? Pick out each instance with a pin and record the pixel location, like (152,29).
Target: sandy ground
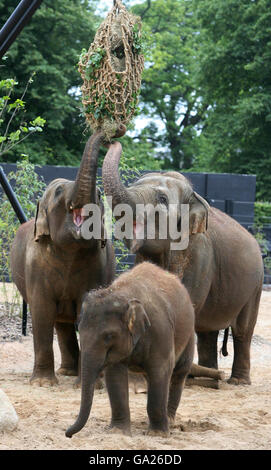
(229,418)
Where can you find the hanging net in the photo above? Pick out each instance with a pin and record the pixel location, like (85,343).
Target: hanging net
(111,71)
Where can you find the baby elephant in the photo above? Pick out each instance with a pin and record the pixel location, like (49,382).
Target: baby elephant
(143,322)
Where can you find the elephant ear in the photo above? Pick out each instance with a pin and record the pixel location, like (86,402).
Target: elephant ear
(41,227)
(137,320)
(198,215)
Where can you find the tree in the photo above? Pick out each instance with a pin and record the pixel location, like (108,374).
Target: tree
(50,46)
(169,92)
(234,62)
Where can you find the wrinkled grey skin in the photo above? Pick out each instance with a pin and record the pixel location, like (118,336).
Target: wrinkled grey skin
(222,267)
(53,266)
(143,322)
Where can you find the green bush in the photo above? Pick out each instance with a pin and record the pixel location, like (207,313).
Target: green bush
(13,128)
(262,211)
(262,216)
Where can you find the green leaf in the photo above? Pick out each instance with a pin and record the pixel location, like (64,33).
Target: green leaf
(38,121)
(14,136)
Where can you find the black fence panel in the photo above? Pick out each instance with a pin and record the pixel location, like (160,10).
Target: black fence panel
(231,193)
(232,187)
(199,182)
(218,203)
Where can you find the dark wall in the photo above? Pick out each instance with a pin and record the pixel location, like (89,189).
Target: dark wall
(231,193)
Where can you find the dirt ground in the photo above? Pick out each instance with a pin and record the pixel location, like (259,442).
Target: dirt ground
(229,418)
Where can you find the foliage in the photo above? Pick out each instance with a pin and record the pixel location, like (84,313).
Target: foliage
(94,62)
(258,233)
(9,110)
(169,92)
(234,63)
(262,212)
(206,85)
(262,218)
(138,153)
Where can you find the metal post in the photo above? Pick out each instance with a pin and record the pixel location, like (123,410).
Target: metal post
(22,218)
(12,197)
(16,22)
(13,26)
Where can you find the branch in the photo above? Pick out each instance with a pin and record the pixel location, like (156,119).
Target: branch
(195,119)
(185,121)
(16,109)
(8,148)
(146,9)
(6,102)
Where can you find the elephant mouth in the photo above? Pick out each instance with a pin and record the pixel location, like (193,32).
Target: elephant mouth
(78,217)
(138,236)
(138,230)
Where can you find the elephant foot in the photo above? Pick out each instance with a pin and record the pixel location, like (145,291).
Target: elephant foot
(126,431)
(77,382)
(43,381)
(157,433)
(141,386)
(99,384)
(67,371)
(238,381)
(171,420)
(138,382)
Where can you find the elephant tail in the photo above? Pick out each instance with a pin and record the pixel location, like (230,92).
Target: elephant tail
(225,340)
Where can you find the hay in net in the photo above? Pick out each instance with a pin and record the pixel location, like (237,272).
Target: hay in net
(111,71)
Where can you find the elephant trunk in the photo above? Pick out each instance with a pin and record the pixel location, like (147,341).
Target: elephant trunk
(111,179)
(85,184)
(89,374)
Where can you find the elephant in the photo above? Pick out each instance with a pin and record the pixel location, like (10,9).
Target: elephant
(143,322)
(221,265)
(53,265)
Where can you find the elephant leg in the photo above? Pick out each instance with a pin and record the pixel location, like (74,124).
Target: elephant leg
(68,345)
(43,314)
(158,393)
(242,332)
(207,349)
(178,377)
(116,378)
(201,371)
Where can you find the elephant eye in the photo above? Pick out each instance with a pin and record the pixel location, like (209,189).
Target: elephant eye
(58,191)
(108,337)
(162,198)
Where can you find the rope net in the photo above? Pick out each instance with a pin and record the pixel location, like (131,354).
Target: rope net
(111,71)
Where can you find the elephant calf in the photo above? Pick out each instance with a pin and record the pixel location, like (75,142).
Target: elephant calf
(143,322)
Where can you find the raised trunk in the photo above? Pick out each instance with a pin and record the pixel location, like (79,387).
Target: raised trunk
(89,375)
(85,183)
(111,179)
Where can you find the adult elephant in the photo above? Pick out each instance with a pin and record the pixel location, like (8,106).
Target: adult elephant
(53,265)
(221,267)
